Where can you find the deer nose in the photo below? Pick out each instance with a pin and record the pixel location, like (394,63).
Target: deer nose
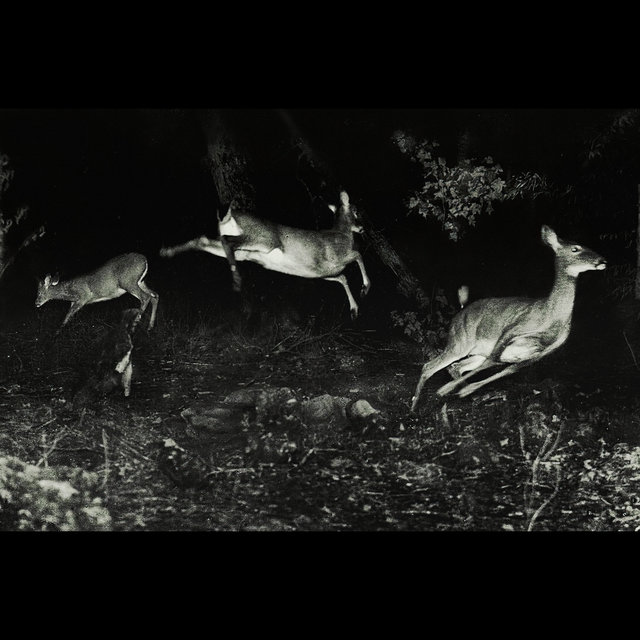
(601,264)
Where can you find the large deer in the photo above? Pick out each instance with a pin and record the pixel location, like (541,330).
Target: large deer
(515,332)
(120,275)
(297,252)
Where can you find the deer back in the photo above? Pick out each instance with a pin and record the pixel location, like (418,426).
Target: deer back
(293,250)
(483,323)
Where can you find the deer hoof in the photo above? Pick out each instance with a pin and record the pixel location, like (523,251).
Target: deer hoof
(354,313)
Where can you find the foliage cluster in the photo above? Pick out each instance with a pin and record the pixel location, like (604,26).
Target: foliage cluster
(6,175)
(565,469)
(621,124)
(49,499)
(9,221)
(609,486)
(428,328)
(457,195)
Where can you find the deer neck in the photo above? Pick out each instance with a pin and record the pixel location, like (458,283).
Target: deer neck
(62,291)
(563,294)
(343,223)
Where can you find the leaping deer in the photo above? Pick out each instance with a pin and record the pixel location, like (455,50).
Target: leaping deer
(514,332)
(120,275)
(298,252)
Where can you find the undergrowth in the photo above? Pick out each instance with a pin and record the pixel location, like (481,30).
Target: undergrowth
(522,457)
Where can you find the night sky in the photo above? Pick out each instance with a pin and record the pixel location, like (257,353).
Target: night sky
(106,181)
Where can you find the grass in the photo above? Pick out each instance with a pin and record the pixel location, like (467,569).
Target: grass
(545,450)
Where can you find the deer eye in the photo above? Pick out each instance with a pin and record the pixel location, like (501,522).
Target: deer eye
(575,248)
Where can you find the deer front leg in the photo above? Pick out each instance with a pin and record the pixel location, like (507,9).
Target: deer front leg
(366,283)
(146,296)
(73,309)
(127,374)
(231,259)
(474,386)
(154,308)
(353,305)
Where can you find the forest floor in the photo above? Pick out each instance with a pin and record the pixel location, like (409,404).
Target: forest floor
(554,447)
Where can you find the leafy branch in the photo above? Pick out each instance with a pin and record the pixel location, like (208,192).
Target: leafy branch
(8,222)
(456,196)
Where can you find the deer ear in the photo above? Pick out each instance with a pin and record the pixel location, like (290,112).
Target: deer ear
(54,279)
(332,207)
(549,237)
(344,198)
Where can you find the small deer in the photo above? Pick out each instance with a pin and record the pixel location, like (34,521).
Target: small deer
(297,252)
(515,332)
(120,275)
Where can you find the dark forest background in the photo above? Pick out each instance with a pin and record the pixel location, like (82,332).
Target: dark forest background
(106,181)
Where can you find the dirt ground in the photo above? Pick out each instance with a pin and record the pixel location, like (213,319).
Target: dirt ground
(551,448)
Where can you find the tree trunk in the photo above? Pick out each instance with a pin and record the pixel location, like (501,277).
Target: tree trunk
(637,291)
(408,285)
(319,167)
(229,170)
(228,164)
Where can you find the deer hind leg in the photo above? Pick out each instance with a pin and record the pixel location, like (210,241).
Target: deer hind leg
(146,295)
(352,302)
(73,309)
(461,381)
(474,386)
(524,350)
(467,364)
